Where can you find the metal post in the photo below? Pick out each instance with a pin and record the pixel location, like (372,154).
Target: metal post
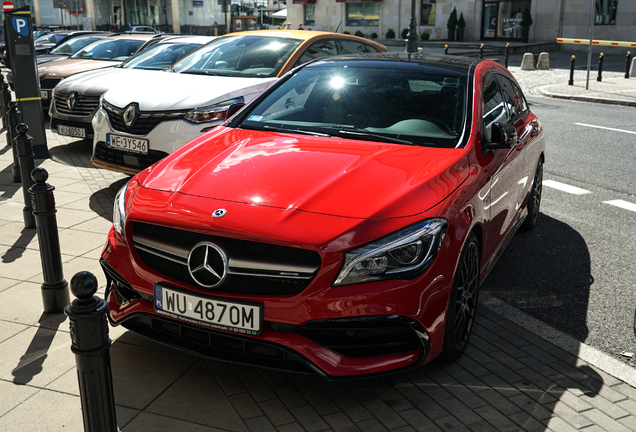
(445,49)
(571,81)
(5,98)
(589,49)
(90,344)
(13,118)
(55,294)
(507,54)
(24,148)
(600,68)
(411,45)
(481,51)
(628,60)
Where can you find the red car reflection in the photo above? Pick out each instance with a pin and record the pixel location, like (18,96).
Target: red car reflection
(341,223)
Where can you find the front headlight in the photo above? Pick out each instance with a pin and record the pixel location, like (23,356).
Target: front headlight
(119,211)
(211,113)
(404,254)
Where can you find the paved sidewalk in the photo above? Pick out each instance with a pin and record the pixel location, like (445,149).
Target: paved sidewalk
(517,373)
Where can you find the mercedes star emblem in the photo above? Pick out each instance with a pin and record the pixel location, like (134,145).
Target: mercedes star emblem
(207,264)
(71,101)
(130,115)
(219,213)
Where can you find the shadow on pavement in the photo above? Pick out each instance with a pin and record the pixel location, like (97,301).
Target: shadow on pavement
(101,202)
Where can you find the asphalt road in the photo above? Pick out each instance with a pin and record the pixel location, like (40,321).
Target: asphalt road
(576,270)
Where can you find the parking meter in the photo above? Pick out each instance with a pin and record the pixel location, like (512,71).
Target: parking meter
(21,52)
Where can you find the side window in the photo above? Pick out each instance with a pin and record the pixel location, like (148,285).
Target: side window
(510,97)
(523,105)
(353,47)
(322,48)
(493,108)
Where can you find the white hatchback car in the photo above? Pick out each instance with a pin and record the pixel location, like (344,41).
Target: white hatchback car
(143,119)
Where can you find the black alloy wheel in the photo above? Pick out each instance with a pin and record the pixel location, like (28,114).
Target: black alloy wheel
(462,306)
(534,202)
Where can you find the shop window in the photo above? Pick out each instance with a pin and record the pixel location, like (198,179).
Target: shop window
(428,12)
(309,10)
(605,12)
(363,14)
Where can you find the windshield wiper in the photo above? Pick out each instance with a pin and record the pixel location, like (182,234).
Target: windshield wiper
(284,130)
(374,137)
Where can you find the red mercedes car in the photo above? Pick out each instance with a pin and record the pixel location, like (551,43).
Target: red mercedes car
(341,223)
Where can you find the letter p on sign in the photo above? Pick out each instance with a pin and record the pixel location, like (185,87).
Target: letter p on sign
(20,25)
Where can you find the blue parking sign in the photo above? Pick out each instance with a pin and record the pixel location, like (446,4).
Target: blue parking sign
(20,25)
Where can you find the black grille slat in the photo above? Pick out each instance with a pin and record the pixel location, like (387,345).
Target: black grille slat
(86,105)
(49,83)
(359,339)
(235,284)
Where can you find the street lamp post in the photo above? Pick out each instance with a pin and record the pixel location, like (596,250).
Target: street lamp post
(411,44)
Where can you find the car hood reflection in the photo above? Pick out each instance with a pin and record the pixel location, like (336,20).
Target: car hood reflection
(333,176)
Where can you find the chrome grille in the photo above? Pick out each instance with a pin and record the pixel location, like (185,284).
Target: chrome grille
(254,268)
(85,105)
(144,124)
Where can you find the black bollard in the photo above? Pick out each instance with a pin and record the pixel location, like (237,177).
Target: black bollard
(445,49)
(13,119)
(24,149)
(5,98)
(507,54)
(600,68)
(55,294)
(571,81)
(481,51)
(90,344)
(628,61)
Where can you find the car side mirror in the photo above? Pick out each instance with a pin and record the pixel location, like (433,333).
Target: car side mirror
(502,136)
(233,109)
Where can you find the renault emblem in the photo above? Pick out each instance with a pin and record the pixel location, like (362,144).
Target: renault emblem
(207,264)
(71,101)
(219,213)
(130,115)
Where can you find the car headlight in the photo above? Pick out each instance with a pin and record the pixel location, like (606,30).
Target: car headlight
(119,211)
(211,113)
(404,254)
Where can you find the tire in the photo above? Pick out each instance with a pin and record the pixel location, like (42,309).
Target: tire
(462,304)
(534,202)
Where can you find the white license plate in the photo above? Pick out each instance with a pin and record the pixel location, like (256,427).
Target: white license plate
(44,94)
(232,316)
(71,131)
(134,145)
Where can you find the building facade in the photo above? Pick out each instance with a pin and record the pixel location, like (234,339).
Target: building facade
(486,20)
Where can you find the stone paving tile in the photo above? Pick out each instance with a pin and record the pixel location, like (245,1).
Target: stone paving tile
(309,419)
(570,416)
(557,424)
(277,413)
(450,423)
(418,420)
(260,424)
(245,406)
(321,402)
(629,422)
(527,423)
(340,423)
(371,425)
(385,415)
(498,420)
(353,409)
(602,420)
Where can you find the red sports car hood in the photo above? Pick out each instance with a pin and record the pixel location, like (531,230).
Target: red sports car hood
(340,177)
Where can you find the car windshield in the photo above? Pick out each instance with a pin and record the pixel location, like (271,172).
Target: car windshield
(160,56)
(388,105)
(71,46)
(49,40)
(109,50)
(244,56)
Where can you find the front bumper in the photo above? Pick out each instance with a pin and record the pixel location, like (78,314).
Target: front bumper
(336,340)
(163,139)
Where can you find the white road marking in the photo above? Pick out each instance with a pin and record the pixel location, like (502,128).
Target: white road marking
(622,204)
(565,187)
(606,128)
